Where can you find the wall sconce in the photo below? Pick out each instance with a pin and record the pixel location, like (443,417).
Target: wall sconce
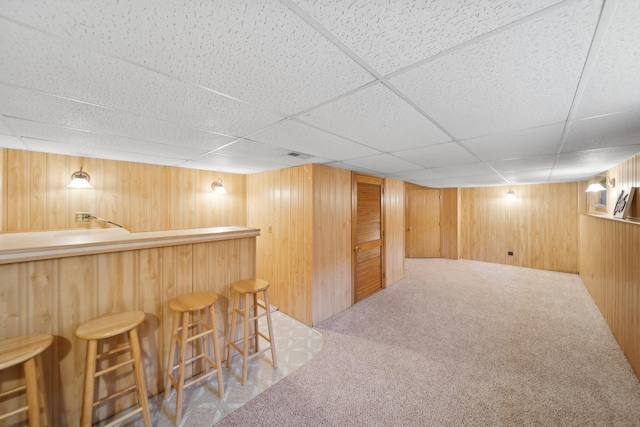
(510,195)
(80,179)
(217,187)
(597,186)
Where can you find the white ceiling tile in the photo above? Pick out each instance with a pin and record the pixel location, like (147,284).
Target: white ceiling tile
(97,152)
(36,130)
(602,157)
(522,143)
(4,128)
(268,153)
(419,175)
(13,142)
(576,173)
(341,165)
(524,164)
(35,61)
(377,117)
(613,85)
(464,170)
(467,181)
(299,137)
(40,107)
(255,50)
(604,131)
(438,155)
(390,35)
(520,78)
(234,164)
(537,176)
(383,163)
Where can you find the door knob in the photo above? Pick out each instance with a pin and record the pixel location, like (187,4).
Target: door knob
(357,249)
(410,228)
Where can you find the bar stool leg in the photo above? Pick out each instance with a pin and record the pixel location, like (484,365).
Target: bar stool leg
(32,392)
(141,388)
(216,351)
(270,326)
(89,376)
(41,389)
(171,356)
(184,336)
(256,337)
(232,331)
(245,339)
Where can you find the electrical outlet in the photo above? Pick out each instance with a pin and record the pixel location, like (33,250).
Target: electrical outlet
(510,253)
(83,217)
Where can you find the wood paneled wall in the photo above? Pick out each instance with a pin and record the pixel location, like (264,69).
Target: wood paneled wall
(450,223)
(609,267)
(540,226)
(305,249)
(626,174)
(331,211)
(394,228)
(140,197)
(56,296)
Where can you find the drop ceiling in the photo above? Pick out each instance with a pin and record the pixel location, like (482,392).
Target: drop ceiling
(449,93)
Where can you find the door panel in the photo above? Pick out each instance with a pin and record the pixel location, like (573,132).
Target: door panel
(367,236)
(423,223)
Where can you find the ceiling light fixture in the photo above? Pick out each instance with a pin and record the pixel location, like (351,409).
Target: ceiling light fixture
(217,187)
(80,179)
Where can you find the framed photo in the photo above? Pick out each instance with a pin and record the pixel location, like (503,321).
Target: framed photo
(623,204)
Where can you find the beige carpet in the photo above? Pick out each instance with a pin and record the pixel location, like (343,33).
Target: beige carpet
(460,343)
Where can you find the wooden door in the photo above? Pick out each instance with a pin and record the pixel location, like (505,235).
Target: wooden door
(367,236)
(423,223)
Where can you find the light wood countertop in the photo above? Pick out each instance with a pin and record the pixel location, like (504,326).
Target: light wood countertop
(31,246)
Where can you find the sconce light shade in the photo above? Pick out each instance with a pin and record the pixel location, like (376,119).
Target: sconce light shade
(217,187)
(597,186)
(80,179)
(510,195)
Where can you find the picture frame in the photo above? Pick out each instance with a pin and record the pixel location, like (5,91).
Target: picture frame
(623,203)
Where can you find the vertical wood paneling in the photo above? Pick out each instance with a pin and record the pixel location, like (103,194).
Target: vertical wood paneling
(139,197)
(332,276)
(450,223)
(394,229)
(609,268)
(18,191)
(539,226)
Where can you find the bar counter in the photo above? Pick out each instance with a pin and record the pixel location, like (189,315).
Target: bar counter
(51,282)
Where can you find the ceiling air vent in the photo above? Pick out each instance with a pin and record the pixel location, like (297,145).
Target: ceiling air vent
(298,155)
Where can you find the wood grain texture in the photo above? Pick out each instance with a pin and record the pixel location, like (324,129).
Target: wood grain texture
(422,214)
(304,248)
(450,223)
(609,268)
(394,230)
(626,174)
(138,196)
(540,226)
(55,296)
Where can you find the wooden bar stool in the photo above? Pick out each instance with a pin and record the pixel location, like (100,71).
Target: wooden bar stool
(27,350)
(250,288)
(197,304)
(108,326)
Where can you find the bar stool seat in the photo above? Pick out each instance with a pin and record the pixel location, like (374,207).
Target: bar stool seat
(250,289)
(104,327)
(27,350)
(198,305)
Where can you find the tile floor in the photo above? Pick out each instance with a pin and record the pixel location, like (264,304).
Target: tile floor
(296,344)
